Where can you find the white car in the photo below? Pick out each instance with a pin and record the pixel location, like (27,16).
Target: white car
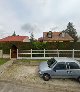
(60,67)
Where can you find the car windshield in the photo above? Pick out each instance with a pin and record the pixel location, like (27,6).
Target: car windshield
(51,61)
(78,61)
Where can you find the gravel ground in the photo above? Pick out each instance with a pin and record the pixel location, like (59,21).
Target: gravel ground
(28,75)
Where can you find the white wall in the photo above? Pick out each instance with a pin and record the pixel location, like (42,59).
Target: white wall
(26,40)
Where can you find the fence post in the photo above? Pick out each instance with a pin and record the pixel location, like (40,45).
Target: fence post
(10,53)
(44,53)
(17,53)
(2,53)
(31,53)
(58,52)
(73,54)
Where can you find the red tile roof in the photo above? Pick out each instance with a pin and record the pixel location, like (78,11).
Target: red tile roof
(14,38)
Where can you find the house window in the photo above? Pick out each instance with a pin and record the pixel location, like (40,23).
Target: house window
(49,34)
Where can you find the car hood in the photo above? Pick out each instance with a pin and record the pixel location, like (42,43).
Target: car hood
(44,66)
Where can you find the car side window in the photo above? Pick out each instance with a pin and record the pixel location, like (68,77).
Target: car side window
(73,65)
(60,66)
(68,66)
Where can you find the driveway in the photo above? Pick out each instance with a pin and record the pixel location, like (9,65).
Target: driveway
(28,76)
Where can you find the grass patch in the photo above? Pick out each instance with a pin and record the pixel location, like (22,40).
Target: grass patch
(2,61)
(25,60)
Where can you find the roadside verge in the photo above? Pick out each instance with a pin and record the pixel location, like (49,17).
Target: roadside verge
(5,66)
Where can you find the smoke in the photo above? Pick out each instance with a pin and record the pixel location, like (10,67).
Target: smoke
(54,28)
(30,28)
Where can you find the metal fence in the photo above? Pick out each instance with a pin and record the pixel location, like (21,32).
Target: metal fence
(46,54)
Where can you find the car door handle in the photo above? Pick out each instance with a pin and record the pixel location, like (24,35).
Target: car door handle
(68,72)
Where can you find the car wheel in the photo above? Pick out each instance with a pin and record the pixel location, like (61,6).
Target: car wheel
(79,79)
(46,77)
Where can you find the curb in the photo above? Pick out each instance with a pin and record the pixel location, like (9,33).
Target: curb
(27,63)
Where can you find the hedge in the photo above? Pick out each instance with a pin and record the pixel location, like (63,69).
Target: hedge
(6,46)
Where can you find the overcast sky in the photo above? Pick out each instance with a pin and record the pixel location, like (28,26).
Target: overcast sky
(26,16)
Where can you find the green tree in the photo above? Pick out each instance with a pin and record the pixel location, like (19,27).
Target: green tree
(71,31)
(14,34)
(32,37)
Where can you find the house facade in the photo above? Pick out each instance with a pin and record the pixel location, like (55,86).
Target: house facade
(57,37)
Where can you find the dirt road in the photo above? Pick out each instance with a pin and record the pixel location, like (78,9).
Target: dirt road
(11,87)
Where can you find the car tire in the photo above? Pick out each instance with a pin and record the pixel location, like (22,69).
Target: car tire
(46,77)
(79,79)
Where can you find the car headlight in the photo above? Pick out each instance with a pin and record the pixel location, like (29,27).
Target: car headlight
(40,72)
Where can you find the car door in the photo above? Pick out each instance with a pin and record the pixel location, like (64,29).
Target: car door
(73,69)
(59,71)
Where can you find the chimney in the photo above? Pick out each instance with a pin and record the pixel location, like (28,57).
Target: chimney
(63,34)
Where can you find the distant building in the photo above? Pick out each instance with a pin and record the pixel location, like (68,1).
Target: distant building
(15,39)
(40,39)
(78,39)
(13,48)
(57,37)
